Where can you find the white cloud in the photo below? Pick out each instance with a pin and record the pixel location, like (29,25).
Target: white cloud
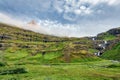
(43,26)
(95,2)
(70,16)
(58,29)
(80,7)
(77,11)
(58,5)
(6,19)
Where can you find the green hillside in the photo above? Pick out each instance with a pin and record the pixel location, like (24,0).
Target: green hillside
(26,55)
(37,46)
(112,54)
(10,33)
(113,37)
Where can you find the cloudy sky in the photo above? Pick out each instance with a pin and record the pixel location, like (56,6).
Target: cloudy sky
(72,18)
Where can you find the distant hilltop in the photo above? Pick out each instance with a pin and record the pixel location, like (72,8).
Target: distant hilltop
(33,22)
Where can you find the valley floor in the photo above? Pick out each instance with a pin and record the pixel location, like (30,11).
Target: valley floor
(96,70)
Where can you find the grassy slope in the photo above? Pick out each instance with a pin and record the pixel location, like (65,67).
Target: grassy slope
(35,44)
(96,70)
(21,35)
(84,70)
(25,51)
(113,54)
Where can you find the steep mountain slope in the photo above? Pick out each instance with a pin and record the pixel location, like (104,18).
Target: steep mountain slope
(24,43)
(112,51)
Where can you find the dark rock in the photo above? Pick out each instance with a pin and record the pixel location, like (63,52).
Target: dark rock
(4,37)
(1,45)
(115,31)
